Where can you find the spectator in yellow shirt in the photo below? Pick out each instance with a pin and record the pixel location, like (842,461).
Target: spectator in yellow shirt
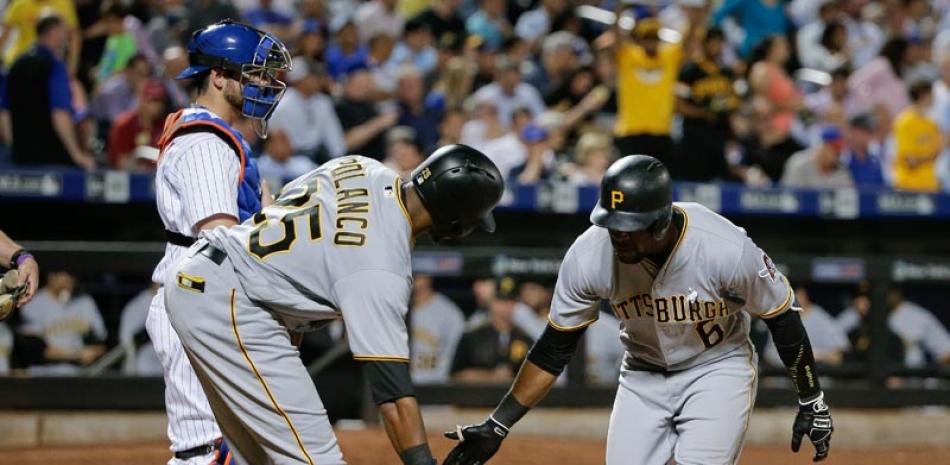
(22,15)
(918,143)
(646,74)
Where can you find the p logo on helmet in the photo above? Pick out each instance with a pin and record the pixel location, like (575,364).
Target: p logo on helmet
(615,198)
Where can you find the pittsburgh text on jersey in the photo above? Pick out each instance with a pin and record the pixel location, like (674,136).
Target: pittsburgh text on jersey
(671,309)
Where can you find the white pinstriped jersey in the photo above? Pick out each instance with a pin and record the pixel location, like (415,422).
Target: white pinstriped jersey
(693,309)
(197,177)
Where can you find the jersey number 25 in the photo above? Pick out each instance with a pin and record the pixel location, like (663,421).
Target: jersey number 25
(283,214)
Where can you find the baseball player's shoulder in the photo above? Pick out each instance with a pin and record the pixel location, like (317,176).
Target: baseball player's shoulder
(447,305)
(819,314)
(366,162)
(588,266)
(374,169)
(712,228)
(592,246)
(202,142)
(86,303)
(910,309)
(41,301)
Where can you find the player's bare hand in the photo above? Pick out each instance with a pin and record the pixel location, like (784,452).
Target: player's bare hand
(814,421)
(477,443)
(28,277)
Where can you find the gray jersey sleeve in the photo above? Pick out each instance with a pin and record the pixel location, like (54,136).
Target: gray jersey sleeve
(580,285)
(374,305)
(762,288)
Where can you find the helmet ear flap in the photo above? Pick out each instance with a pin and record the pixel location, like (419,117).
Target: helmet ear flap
(661,225)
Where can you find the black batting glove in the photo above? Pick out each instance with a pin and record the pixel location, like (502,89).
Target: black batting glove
(477,443)
(813,420)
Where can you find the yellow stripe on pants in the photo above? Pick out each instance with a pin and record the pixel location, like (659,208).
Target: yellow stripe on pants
(273,400)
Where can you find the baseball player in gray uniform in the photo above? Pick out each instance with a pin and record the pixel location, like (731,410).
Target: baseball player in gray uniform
(336,244)
(684,281)
(437,325)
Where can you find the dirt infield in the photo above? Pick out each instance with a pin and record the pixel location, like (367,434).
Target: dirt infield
(371,447)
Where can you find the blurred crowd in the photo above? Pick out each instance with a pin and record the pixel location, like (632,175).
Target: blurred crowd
(481,334)
(800,93)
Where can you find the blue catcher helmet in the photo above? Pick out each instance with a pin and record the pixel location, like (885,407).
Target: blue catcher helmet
(252,54)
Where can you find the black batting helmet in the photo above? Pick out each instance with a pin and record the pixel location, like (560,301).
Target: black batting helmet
(635,194)
(459,186)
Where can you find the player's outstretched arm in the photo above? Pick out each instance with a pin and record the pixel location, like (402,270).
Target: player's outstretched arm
(547,359)
(814,418)
(393,393)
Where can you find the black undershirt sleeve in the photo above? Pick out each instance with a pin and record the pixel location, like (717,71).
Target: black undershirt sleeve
(794,349)
(551,353)
(554,349)
(388,380)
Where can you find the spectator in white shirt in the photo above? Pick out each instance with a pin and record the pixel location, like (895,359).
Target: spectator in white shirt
(865,36)
(808,37)
(306,114)
(485,124)
(534,24)
(940,112)
(278,164)
(509,92)
(416,48)
(510,151)
(832,51)
(378,17)
(834,99)
(385,74)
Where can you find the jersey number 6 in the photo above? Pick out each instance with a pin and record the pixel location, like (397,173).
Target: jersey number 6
(711,336)
(289,207)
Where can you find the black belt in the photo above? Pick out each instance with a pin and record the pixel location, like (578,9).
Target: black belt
(213,253)
(178,239)
(194,452)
